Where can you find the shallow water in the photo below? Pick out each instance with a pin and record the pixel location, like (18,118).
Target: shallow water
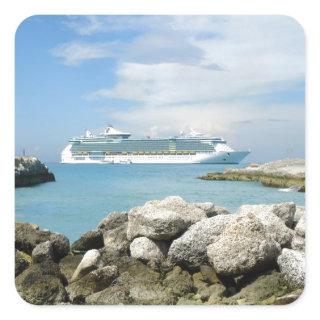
(83,194)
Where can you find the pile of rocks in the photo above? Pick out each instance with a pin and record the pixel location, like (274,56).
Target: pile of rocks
(169,252)
(288,174)
(30,171)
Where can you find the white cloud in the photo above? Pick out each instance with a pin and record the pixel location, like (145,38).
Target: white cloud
(84,26)
(195,71)
(220,119)
(73,53)
(247,55)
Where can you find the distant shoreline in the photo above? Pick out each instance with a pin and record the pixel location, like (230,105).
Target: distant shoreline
(285,173)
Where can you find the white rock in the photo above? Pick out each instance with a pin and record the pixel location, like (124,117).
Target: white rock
(292,266)
(243,246)
(90,261)
(43,251)
(276,228)
(190,250)
(268,215)
(285,211)
(146,249)
(163,220)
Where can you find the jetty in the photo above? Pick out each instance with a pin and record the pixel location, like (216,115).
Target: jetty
(168,252)
(286,173)
(30,171)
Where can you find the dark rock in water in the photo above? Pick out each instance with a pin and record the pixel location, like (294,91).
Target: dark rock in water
(69,264)
(42,283)
(113,220)
(89,240)
(60,246)
(93,282)
(28,236)
(30,171)
(42,252)
(22,262)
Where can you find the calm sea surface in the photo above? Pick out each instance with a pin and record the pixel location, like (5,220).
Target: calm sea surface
(84,194)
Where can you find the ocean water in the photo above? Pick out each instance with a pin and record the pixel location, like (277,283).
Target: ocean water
(83,194)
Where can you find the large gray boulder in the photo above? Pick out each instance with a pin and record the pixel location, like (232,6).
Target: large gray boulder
(115,240)
(163,220)
(242,247)
(285,211)
(43,251)
(146,250)
(292,266)
(90,240)
(113,220)
(190,250)
(276,228)
(90,261)
(275,218)
(28,236)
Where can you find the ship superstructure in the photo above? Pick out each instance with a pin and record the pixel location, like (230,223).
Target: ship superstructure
(114,146)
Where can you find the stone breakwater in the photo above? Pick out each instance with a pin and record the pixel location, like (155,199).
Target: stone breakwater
(30,171)
(287,173)
(168,252)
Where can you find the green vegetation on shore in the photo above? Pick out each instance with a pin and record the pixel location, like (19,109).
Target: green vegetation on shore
(268,180)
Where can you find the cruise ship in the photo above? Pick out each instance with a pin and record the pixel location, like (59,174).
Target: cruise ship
(114,146)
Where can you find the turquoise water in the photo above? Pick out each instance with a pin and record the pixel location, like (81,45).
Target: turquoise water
(83,194)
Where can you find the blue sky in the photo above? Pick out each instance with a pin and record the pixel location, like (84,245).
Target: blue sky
(239,77)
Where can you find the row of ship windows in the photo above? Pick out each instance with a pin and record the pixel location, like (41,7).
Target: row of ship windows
(132,153)
(132,149)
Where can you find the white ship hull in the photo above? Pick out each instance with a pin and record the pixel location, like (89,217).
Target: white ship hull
(217,157)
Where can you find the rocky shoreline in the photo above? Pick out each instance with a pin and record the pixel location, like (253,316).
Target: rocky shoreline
(30,171)
(168,252)
(287,173)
